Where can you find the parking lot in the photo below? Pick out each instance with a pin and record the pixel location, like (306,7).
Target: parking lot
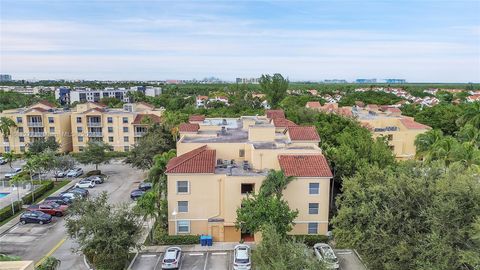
(189,261)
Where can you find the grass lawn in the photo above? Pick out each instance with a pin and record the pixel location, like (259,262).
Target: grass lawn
(57,186)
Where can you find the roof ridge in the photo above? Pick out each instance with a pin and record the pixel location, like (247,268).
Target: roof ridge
(201,150)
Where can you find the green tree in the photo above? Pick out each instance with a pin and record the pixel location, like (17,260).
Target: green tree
(50,263)
(6,125)
(425,141)
(95,153)
(61,164)
(9,157)
(275,87)
(111,102)
(469,133)
(42,145)
(471,115)
(275,183)
(104,233)
(442,116)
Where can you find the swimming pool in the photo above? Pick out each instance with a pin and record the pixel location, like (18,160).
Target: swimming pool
(3,194)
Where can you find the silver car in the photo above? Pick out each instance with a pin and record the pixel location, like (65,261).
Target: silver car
(171,259)
(241,259)
(325,254)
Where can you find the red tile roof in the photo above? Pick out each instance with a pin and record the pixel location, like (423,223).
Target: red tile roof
(139,119)
(372,106)
(313,104)
(283,122)
(275,114)
(394,110)
(411,124)
(188,127)
(200,160)
(196,118)
(303,133)
(202,97)
(305,165)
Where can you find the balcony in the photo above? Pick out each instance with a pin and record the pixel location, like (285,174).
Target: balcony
(95,134)
(94,124)
(36,134)
(139,133)
(35,124)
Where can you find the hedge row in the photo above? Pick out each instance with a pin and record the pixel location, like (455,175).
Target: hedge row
(6,212)
(310,239)
(177,240)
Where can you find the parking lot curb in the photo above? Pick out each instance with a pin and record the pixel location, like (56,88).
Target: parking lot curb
(133,261)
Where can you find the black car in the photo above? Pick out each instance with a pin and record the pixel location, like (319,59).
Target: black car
(35,217)
(145,186)
(137,193)
(80,191)
(59,200)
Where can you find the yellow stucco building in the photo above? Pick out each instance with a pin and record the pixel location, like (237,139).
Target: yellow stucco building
(221,160)
(120,128)
(39,121)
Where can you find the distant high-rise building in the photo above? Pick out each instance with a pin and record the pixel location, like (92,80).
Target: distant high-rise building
(395,81)
(248,80)
(366,80)
(5,78)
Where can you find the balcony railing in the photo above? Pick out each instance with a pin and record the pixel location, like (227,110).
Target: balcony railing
(94,124)
(36,134)
(35,124)
(139,133)
(95,134)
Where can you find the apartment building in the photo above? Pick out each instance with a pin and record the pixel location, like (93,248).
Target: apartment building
(37,122)
(120,128)
(221,160)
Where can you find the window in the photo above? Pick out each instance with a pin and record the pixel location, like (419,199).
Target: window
(79,119)
(125,120)
(247,188)
(109,120)
(19,119)
(183,226)
(20,129)
(52,129)
(110,139)
(390,137)
(7,148)
(182,206)
(312,228)
(5,139)
(80,139)
(313,208)
(125,129)
(182,187)
(391,147)
(110,129)
(79,129)
(241,153)
(50,120)
(22,148)
(125,139)
(80,148)
(126,148)
(313,188)
(21,139)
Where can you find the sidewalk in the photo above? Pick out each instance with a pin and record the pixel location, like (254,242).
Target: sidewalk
(7,226)
(217,246)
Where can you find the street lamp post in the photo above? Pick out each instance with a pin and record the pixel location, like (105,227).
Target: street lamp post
(174,214)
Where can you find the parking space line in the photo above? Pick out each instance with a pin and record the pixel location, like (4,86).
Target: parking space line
(51,251)
(195,254)
(219,253)
(148,255)
(206,260)
(158,260)
(181,262)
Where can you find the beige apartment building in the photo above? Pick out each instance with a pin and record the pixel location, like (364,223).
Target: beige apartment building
(387,121)
(120,128)
(37,122)
(221,160)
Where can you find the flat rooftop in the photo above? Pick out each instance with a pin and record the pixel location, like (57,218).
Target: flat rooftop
(239,171)
(363,114)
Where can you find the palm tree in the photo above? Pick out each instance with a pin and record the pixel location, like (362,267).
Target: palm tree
(469,133)
(5,125)
(467,154)
(275,183)
(9,157)
(444,150)
(32,167)
(425,141)
(471,115)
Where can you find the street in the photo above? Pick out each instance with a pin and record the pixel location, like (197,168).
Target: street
(33,241)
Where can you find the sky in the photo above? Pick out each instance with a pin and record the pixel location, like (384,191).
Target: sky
(417,40)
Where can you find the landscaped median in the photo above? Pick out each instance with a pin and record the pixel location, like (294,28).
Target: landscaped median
(45,189)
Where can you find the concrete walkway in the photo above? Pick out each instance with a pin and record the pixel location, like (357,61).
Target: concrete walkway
(217,246)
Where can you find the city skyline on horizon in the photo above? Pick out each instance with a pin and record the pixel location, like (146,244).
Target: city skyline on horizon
(305,41)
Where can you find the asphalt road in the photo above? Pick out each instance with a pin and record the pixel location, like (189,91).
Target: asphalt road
(33,241)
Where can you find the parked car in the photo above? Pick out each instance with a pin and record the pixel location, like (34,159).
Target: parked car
(97,178)
(85,184)
(35,217)
(325,254)
(171,259)
(14,172)
(137,193)
(145,186)
(2,161)
(61,174)
(59,200)
(241,259)
(75,172)
(71,195)
(83,192)
(50,208)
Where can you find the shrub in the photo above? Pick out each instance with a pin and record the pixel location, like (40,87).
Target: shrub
(50,263)
(6,258)
(310,239)
(6,212)
(46,186)
(94,172)
(161,237)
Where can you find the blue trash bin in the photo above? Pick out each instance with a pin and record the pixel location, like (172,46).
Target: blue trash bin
(203,240)
(209,241)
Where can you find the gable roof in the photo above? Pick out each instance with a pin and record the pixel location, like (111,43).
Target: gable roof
(40,109)
(196,118)
(101,110)
(411,124)
(305,165)
(140,118)
(200,160)
(275,114)
(282,122)
(188,127)
(303,133)
(46,103)
(313,104)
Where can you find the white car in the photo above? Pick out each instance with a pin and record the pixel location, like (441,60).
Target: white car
(241,259)
(85,184)
(325,254)
(75,172)
(13,173)
(171,259)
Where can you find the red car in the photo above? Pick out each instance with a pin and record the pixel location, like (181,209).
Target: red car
(50,208)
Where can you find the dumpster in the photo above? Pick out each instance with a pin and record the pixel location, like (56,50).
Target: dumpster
(209,240)
(203,240)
